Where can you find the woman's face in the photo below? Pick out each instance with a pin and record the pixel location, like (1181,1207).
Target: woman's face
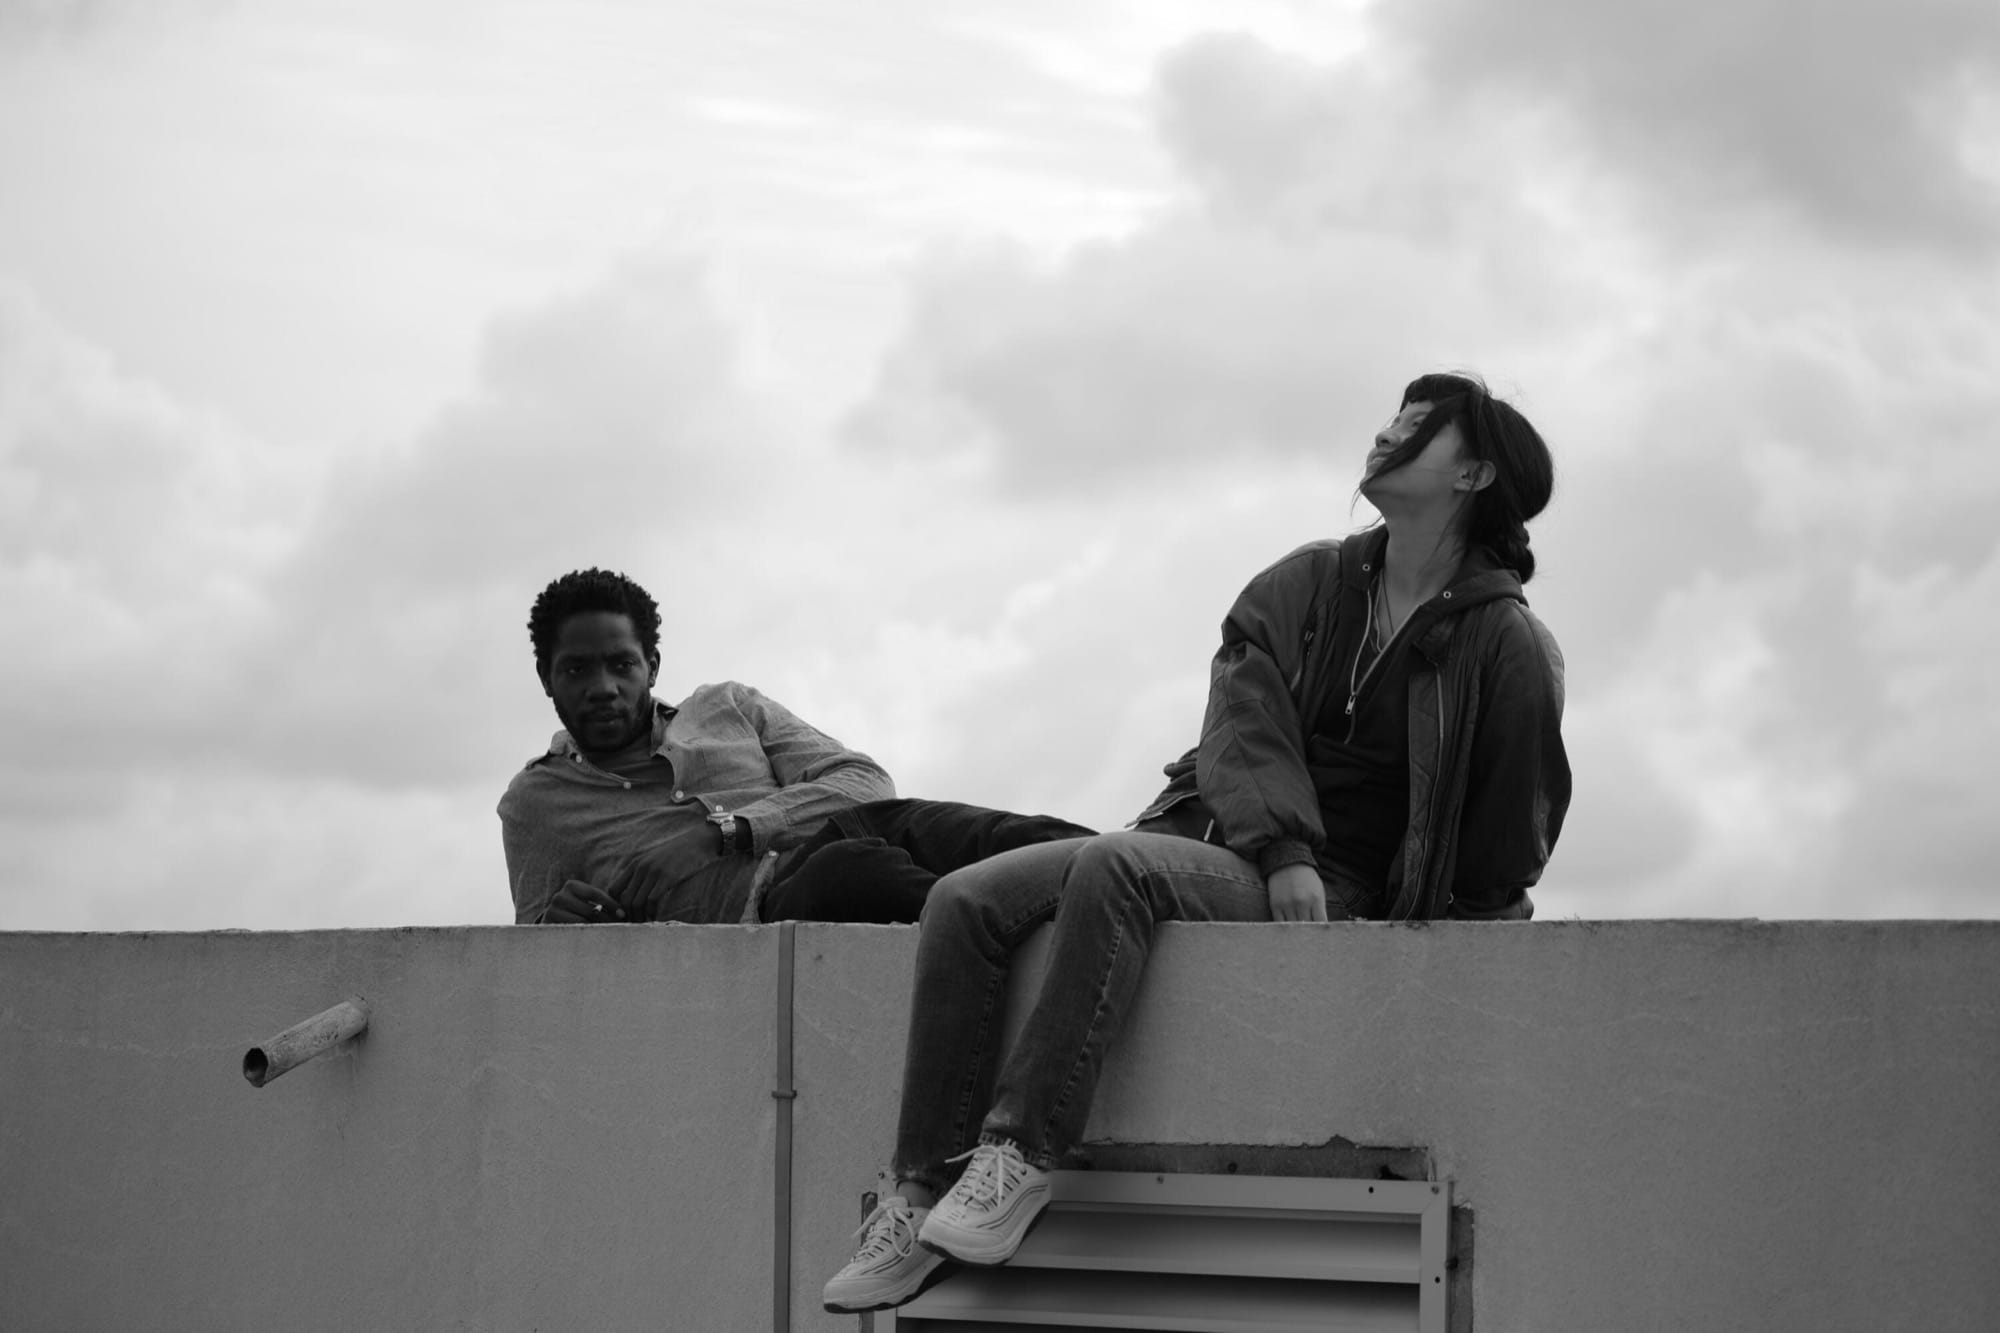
(1432,470)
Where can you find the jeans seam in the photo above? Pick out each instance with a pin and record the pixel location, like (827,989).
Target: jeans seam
(961,1118)
(1061,1101)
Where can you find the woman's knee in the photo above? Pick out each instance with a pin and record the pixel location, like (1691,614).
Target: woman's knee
(1001,892)
(958,895)
(1114,864)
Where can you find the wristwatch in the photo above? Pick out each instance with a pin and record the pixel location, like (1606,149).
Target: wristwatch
(734,835)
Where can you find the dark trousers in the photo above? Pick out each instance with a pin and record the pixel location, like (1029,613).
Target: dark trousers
(876,862)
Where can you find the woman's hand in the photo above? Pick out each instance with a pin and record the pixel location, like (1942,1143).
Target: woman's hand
(1296,893)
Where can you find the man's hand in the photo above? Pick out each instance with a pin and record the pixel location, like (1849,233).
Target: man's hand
(1296,893)
(578,903)
(641,885)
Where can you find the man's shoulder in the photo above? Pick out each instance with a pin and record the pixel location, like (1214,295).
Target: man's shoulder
(720,696)
(530,782)
(714,690)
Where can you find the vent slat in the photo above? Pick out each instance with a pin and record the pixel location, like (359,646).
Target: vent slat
(1210,1254)
(1008,1298)
(1166,1242)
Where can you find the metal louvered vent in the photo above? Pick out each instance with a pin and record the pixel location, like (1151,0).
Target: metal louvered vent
(1241,1254)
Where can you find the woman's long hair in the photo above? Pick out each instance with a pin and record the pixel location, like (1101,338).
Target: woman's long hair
(1494,432)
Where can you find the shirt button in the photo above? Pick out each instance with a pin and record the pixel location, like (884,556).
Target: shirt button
(677,796)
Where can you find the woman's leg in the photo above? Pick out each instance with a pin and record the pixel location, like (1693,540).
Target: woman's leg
(972,923)
(1117,887)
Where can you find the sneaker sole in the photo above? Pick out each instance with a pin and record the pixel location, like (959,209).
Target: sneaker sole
(989,1258)
(902,1294)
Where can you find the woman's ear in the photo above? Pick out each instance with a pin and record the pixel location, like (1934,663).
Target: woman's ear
(1475,474)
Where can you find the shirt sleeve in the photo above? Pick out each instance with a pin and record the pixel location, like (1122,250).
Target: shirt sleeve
(1518,781)
(1251,764)
(536,863)
(816,774)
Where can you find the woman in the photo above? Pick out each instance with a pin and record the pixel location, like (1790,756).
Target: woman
(1382,740)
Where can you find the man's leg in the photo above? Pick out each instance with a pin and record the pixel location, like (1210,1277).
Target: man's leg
(943,836)
(876,862)
(849,879)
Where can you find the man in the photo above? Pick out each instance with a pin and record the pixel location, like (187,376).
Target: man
(642,810)
(726,807)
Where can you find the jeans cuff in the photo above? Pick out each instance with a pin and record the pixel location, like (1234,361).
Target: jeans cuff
(1042,1160)
(930,1178)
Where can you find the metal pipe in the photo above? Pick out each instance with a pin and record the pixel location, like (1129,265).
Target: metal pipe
(785,1093)
(298,1044)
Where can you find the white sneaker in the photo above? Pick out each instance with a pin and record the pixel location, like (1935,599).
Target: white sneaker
(988,1212)
(890,1267)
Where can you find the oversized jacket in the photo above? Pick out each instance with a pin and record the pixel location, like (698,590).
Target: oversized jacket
(1489,778)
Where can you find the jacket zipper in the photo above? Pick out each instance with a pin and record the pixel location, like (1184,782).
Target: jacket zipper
(1362,684)
(1305,657)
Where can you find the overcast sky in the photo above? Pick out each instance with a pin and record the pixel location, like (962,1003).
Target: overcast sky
(945,369)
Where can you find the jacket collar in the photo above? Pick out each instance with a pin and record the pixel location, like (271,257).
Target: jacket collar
(1480,579)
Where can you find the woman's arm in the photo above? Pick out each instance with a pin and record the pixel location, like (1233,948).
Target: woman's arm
(1250,766)
(1518,784)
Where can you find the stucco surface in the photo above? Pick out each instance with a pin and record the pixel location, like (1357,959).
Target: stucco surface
(532,1127)
(1660,1125)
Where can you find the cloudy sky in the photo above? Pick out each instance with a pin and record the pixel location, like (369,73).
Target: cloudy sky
(945,368)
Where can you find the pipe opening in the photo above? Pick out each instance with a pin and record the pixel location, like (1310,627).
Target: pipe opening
(256,1066)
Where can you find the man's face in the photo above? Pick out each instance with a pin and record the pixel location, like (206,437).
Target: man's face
(601,681)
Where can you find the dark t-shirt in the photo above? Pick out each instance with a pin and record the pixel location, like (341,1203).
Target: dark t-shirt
(1360,762)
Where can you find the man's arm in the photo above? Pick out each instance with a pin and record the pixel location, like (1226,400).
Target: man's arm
(542,876)
(816,774)
(532,873)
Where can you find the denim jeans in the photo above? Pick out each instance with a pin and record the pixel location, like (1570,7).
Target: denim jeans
(1104,895)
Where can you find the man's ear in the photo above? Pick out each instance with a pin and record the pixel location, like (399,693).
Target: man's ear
(652,670)
(1474,474)
(547,688)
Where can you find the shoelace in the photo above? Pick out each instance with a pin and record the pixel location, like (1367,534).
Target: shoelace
(996,1168)
(897,1234)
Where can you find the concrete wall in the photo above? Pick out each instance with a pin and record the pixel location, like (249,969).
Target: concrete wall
(1659,1125)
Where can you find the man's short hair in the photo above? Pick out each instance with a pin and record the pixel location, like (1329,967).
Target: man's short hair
(591,590)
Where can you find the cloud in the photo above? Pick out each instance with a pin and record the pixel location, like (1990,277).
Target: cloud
(1851,116)
(238,850)
(292,685)
(135,535)
(1751,424)
(1276,312)
(1925,779)
(603,428)
(34,22)
(293,696)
